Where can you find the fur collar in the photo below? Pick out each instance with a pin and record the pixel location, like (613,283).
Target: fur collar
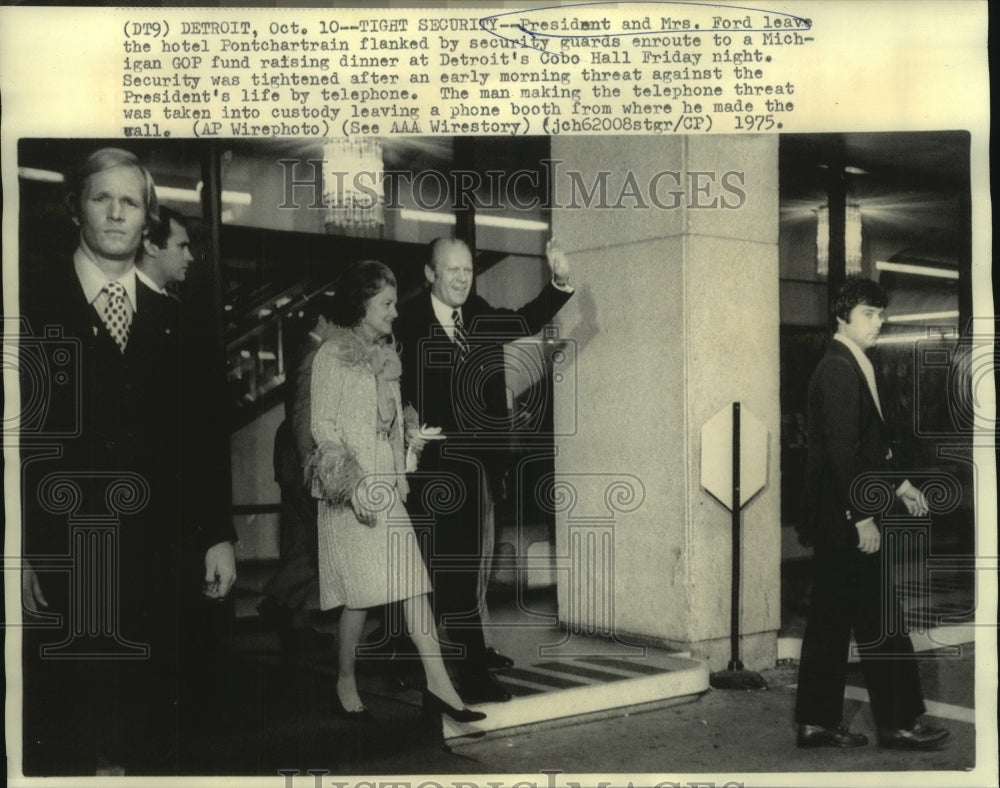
(381,358)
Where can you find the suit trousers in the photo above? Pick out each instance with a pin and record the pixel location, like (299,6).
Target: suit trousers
(111,701)
(297,578)
(854,592)
(458,549)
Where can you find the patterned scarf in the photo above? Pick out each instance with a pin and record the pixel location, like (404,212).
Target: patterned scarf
(384,362)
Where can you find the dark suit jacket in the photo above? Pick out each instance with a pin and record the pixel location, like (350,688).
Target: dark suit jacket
(847,438)
(202,434)
(468,401)
(141,416)
(293,442)
(301,414)
(138,411)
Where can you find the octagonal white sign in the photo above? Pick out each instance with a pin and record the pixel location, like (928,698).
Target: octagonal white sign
(717,456)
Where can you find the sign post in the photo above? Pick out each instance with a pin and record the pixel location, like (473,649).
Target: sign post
(741,436)
(734,662)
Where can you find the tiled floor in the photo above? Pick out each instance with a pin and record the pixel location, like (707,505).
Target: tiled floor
(557,674)
(277,713)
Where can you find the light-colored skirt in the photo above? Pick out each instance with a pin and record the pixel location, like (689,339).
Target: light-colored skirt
(362,566)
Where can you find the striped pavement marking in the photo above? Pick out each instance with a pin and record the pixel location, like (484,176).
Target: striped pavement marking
(558,689)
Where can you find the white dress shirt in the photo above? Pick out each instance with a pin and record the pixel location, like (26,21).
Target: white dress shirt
(443,313)
(867,369)
(93,279)
(144,278)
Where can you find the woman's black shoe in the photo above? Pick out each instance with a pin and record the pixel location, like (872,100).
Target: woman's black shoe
(434,705)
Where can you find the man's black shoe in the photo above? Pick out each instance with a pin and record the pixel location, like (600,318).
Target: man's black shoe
(919,737)
(821,736)
(482,688)
(496,661)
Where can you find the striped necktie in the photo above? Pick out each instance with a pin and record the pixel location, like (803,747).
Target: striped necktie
(117,316)
(461,336)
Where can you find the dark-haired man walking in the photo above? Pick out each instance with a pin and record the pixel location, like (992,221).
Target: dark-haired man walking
(852,591)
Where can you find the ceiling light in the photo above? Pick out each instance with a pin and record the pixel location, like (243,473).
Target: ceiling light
(482,219)
(43,176)
(917,317)
(353,189)
(917,270)
(912,337)
(852,239)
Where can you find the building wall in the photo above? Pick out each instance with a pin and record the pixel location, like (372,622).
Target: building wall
(676,316)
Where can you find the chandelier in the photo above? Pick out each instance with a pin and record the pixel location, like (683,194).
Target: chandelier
(353,191)
(852,240)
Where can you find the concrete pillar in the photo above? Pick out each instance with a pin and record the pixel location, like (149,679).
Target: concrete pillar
(675,317)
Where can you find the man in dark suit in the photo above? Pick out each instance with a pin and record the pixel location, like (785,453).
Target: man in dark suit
(453,374)
(165,254)
(288,591)
(162,264)
(853,591)
(119,533)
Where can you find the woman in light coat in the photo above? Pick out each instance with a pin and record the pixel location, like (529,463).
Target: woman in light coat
(368,553)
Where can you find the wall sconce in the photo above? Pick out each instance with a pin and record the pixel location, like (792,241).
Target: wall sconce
(852,239)
(353,191)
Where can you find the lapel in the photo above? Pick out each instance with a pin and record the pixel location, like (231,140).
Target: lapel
(838,348)
(143,318)
(431,327)
(434,327)
(66,305)
(152,321)
(70,307)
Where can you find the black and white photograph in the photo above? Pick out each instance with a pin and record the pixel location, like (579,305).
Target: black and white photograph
(546,459)
(501,396)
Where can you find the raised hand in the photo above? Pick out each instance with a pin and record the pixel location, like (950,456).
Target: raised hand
(558,262)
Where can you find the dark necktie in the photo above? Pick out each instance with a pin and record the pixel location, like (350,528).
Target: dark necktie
(461,337)
(117,316)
